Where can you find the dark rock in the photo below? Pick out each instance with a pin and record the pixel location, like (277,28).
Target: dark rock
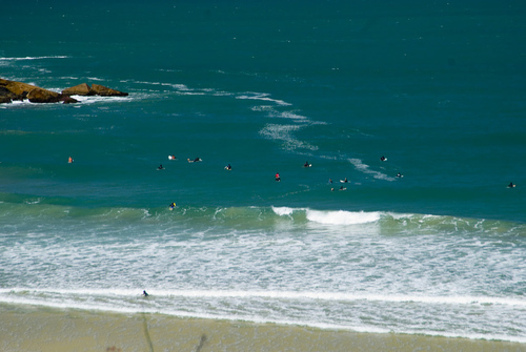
(66,99)
(40,95)
(81,89)
(97,89)
(12,90)
(16,88)
(5,100)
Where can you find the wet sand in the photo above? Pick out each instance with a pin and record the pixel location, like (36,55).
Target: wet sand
(31,329)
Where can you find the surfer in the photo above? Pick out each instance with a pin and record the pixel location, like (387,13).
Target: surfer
(342,188)
(330,180)
(145,294)
(160,167)
(228,167)
(307,164)
(345,180)
(172,206)
(198,159)
(70,160)
(171,157)
(277,177)
(383,158)
(399,175)
(511,185)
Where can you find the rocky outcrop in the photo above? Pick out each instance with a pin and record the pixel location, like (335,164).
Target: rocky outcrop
(81,89)
(97,89)
(6,96)
(13,90)
(17,89)
(39,95)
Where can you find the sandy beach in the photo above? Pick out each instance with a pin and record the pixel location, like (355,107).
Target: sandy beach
(38,329)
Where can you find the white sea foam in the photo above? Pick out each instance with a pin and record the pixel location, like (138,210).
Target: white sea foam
(32,58)
(262,97)
(281,211)
(361,166)
(284,133)
(267,307)
(331,217)
(295,295)
(288,115)
(98,99)
(342,217)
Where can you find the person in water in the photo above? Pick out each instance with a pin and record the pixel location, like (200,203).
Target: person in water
(172,205)
(277,177)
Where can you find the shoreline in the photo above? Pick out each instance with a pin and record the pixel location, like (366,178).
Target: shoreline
(42,329)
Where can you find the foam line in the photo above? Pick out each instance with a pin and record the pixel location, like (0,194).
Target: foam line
(360,166)
(323,296)
(262,97)
(32,58)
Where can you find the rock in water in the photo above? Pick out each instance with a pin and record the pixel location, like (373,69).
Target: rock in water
(81,89)
(97,89)
(40,95)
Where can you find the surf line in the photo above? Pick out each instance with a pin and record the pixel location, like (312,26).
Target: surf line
(337,296)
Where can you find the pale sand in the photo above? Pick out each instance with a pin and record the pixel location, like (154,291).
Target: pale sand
(37,329)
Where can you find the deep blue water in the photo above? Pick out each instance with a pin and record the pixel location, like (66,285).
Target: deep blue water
(438,89)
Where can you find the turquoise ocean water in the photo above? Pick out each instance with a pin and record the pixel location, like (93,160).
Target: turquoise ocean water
(437,88)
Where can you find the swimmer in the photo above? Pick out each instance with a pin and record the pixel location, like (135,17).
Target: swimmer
(277,177)
(330,180)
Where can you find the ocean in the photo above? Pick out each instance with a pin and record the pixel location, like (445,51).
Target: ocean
(429,241)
